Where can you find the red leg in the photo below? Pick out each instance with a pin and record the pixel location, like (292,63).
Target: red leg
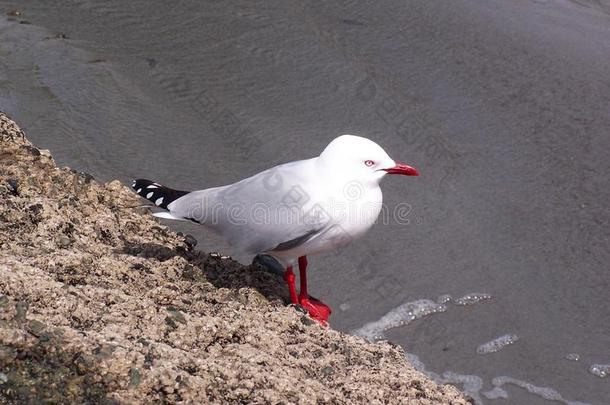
(317,309)
(303,277)
(289,277)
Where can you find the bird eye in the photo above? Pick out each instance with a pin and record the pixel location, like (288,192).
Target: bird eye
(369,163)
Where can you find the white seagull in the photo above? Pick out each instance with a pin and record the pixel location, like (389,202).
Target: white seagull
(291,210)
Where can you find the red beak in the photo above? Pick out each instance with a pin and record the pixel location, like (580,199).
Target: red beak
(402,168)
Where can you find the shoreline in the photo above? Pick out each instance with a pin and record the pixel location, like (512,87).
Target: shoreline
(99,302)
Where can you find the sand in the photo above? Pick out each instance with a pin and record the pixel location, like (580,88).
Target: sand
(100,303)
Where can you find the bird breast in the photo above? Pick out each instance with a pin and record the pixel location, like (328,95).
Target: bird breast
(358,208)
(349,207)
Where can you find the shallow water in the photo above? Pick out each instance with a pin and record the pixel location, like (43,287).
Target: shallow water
(501,105)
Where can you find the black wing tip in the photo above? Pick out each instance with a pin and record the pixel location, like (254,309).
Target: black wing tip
(138,184)
(143,187)
(154,192)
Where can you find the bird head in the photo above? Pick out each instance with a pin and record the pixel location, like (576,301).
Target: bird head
(362,159)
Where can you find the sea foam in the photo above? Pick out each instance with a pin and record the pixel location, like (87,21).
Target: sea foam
(600,370)
(543,392)
(497,344)
(399,316)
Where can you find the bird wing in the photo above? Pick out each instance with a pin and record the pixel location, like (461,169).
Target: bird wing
(274,209)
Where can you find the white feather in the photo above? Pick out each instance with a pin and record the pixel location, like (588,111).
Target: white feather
(167,215)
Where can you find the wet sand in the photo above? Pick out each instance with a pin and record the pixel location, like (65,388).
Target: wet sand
(501,105)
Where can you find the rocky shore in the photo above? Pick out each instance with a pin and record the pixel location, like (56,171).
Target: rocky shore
(99,303)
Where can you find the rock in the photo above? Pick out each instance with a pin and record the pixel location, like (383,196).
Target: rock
(9,129)
(148,360)
(86,177)
(142,341)
(64,241)
(176,315)
(134,377)
(328,371)
(13,187)
(269,263)
(256,299)
(306,320)
(299,308)
(130,315)
(35,209)
(104,351)
(190,241)
(33,151)
(21,310)
(83,362)
(35,327)
(169,321)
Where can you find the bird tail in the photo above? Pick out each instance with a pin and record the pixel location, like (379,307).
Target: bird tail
(159,195)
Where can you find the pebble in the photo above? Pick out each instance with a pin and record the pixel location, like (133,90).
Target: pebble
(190,241)
(35,208)
(307,321)
(298,308)
(64,241)
(328,371)
(269,263)
(14,185)
(255,298)
(86,177)
(35,327)
(21,310)
(3,378)
(34,151)
(176,315)
(169,321)
(104,351)
(134,377)
(148,360)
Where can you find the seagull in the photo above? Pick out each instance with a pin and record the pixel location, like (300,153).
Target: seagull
(293,210)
